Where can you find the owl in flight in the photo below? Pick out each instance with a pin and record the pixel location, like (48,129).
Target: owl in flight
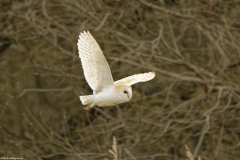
(96,70)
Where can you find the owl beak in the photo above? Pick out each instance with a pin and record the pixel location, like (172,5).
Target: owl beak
(129,96)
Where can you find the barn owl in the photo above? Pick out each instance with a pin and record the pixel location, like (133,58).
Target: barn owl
(97,73)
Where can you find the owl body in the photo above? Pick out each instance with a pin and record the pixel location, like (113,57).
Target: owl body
(109,96)
(97,72)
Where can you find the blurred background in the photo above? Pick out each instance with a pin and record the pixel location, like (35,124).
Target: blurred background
(193,47)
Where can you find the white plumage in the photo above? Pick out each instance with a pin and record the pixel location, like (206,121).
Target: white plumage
(96,70)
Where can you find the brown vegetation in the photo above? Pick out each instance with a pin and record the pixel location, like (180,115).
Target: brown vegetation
(193,47)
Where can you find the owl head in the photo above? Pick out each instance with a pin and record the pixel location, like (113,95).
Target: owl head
(126,92)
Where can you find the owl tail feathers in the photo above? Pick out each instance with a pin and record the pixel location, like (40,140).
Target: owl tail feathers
(87,100)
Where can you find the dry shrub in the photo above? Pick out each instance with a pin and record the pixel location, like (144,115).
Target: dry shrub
(193,46)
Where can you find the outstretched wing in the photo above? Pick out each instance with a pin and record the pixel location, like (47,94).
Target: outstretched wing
(135,79)
(95,67)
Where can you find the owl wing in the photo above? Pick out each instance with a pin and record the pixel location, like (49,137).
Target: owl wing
(95,67)
(135,79)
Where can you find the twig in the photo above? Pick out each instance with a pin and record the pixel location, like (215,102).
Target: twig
(44,90)
(114,150)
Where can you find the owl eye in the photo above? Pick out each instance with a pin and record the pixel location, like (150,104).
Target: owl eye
(125,92)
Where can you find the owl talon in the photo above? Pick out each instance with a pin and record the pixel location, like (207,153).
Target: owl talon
(88,107)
